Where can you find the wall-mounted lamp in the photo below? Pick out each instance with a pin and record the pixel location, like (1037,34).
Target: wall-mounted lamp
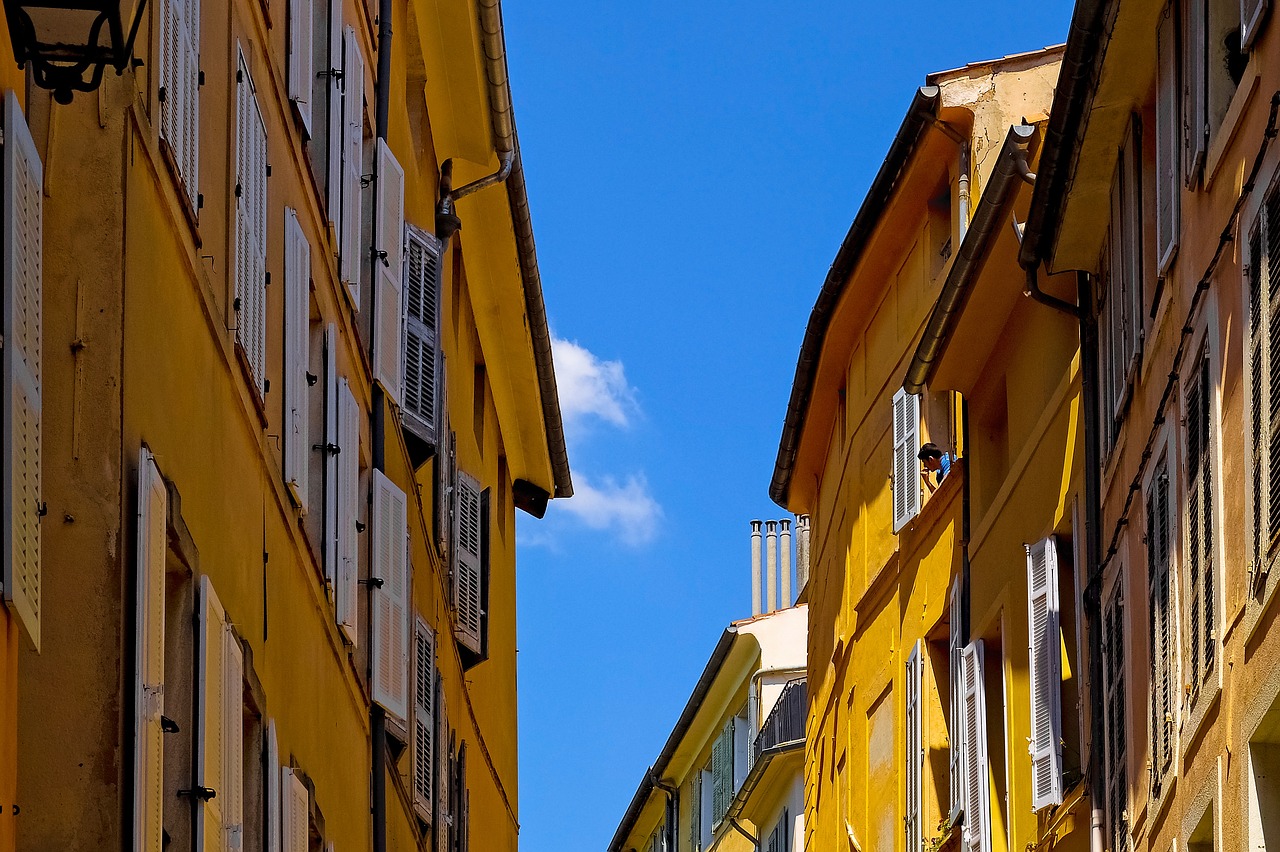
(69,43)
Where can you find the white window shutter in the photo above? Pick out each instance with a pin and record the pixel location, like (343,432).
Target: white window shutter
(148,738)
(1168,144)
(301,57)
(296,810)
(1045,674)
(273,803)
(232,791)
(466,564)
(389,282)
(390,600)
(297,321)
(1251,15)
(348,512)
(251,227)
(913,750)
(1196,88)
(977,802)
(741,750)
(333,68)
(956,745)
(352,260)
(179,79)
(332,459)
(424,691)
(706,807)
(210,748)
(418,404)
(20,372)
(191,100)
(906,466)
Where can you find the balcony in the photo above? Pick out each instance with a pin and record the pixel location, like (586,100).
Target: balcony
(785,723)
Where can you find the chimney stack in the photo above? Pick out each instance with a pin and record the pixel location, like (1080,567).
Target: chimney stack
(755,568)
(784,547)
(802,551)
(771,565)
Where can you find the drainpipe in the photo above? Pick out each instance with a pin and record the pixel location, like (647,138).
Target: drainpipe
(1031,266)
(966,518)
(672,807)
(962,179)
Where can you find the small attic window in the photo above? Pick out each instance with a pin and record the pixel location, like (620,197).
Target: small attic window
(938,228)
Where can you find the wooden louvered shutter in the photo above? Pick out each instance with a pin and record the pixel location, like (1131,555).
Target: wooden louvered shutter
(390,600)
(1161,642)
(251,227)
(1116,731)
(1168,143)
(301,57)
(977,802)
(1256,377)
(913,751)
(1195,49)
(956,669)
(695,812)
(148,738)
(210,747)
(389,282)
(906,465)
(421,354)
(232,792)
(1251,15)
(1131,224)
(352,261)
(332,458)
(191,101)
(20,370)
(1201,593)
(297,322)
(466,563)
(296,808)
(333,141)
(722,772)
(1045,673)
(424,691)
(346,595)
(179,78)
(274,810)
(1271,318)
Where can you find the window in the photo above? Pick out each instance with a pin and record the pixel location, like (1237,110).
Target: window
(295,812)
(297,328)
(1115,720)
(220,723)
(350,259)
(325,93)
(151,804)
(956,674)
(390,564)
(913,754)
(20,379)
(976,800)
(1163,704)
(388,284)
(1262,275)
(1201,585)
(251,229)
(906,464)
(1212,65)
(1045,673)
(1120,288)
(1264,781)
(469,549)
(180,90)
(419,412)
(723,753)
(424,722)
(1168,142)
(779,837)
(342,492)
(301,26)
(1203,837)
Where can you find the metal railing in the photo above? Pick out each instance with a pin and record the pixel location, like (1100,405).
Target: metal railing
(785,722)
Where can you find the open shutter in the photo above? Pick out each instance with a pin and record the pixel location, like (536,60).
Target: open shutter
(210,748)
(297,812)
(1115,718)
(956,665)
(301,74)
(977,802)
(190,116)
(179,78)
(722,772)
(1131,163)
(424,690)
(331,64)
(271,771)
(148,738)
(20,380)
(352,161)
(390,600)
(251,227)
(348,543)
(389,282)
(332,458)
(913,750)
(422,308)
(232,792)
(1251,15)
(297,321)
(695,812)
(1168,144)
(466,563)
(906,449)
(1046,677)
(1195,88)
(741,750)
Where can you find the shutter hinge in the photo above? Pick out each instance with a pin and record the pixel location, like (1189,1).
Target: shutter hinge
(235,304)
(268,170)
(239,76)
(332,449)
(200,78)
(266,386)
(360,529)
(375,582)
(199,200)
(381,255)
(168,726)
(365,180)
(204,794)
(312,378)
(239,189)
(334,73)
(267,283)
(42,509)
(162,94)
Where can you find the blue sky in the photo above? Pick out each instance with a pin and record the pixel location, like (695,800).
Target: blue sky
(692,168)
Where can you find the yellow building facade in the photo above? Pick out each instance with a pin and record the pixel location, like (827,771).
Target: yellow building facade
(296,380)
(919,588)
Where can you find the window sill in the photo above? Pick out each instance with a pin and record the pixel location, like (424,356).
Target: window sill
(1225,132)
(184,200)
(1199,707)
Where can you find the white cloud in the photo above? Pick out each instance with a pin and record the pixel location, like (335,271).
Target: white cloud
(591,387)
(623,507)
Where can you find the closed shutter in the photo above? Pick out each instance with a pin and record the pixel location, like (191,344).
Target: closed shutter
(297,812)
(148,738)
(1168,143)
(421,329)
(956,669)
(332,458)
(348,543)
(1271,263)
(1117,305)
(179,78)
(1116,745)
(695,812)
(1251,14)
(390,600)
(1161,642)
(273,804)
(906,465)
(913,751)
(977,803)
(232,791)
(424,690)
(1255,380)
(297,322)
(722,772)
(352,162)
(1195,88)
(333,141)
(251,227)
(1045,673)
(1131,163)
(301,75)
(20,379)
(466,563)
(389,282)
(1200,567)
(211,726)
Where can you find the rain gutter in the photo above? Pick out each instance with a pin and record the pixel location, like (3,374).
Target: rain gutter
(919,118)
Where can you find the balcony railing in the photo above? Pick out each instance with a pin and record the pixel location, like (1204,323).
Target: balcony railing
(785,723)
